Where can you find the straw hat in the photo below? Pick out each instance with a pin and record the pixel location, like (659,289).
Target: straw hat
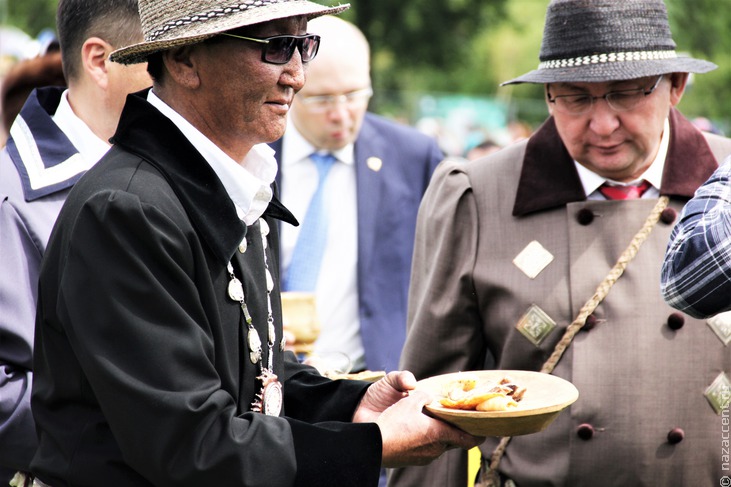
(608,40)
(173,23)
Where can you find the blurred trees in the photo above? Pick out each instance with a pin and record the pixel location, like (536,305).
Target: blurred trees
(471,46)
(701,29)
(32,16)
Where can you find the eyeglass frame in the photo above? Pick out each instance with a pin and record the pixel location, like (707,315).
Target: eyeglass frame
(606,97)
(267,40)
(330,101)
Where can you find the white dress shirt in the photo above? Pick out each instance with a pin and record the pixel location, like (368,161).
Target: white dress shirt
(89,145)
(248,183)
(336,292)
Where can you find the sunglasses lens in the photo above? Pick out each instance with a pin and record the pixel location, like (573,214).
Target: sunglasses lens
(309,48)
(280,49)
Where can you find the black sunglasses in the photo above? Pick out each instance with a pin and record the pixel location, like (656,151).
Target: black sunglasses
(280,49)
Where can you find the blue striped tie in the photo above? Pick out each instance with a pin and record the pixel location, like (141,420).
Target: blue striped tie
(304,267)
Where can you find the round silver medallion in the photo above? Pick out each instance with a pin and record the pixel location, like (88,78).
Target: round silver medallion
(272,398)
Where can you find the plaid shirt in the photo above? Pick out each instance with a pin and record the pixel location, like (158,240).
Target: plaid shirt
(696,273)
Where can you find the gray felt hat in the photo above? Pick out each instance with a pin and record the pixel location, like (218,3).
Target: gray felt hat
(608,40)
(173,23)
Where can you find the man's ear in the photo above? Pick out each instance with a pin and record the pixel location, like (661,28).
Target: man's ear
(180,63)
(678,82)
(549,105)
(94,55)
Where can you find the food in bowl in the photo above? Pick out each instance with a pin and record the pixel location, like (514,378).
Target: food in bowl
(469,392)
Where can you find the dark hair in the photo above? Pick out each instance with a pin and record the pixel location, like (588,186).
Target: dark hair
(22,78)
(115,21)
(155,66)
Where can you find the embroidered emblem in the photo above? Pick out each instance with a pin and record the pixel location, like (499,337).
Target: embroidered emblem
(533,259)
(721,326)
(719,393)
(536,325)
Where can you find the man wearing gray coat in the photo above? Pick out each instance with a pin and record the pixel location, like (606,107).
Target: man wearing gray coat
(511,248)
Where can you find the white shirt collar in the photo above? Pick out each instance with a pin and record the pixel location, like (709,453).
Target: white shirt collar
(295,148)
(89,145)
(591,180)
(248,184)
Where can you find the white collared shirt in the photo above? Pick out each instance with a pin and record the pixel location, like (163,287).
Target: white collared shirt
(248,184)
(592,181)
(337,286)
(89,145)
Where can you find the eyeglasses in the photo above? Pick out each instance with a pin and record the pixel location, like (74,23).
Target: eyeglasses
(323,103)
(619,101)
(280,49)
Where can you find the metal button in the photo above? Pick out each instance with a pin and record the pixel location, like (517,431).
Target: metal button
(585,216)
(585,431)
(676,321)
(676,435)
(668,216)
(591,322)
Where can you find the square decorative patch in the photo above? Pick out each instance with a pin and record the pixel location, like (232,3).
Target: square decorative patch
(721,326)
(533,259)
(536,325)
(719,393)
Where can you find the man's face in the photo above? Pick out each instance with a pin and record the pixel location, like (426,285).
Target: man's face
(619,145)
(333,123)
(240,100)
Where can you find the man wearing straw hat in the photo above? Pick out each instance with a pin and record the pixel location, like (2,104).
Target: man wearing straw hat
(159,352)
(546,256)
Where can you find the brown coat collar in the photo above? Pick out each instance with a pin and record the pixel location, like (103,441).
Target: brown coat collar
(549,177)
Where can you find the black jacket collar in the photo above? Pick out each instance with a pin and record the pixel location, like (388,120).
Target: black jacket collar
(147,133)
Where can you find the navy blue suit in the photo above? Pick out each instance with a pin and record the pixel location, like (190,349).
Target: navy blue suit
(388,201)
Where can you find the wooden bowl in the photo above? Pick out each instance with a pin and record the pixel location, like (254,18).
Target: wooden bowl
(545,397)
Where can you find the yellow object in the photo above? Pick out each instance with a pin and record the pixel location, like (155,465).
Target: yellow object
(474,457)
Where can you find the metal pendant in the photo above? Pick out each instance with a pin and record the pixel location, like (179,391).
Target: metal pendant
(270,400)
(254,345)
(235,290)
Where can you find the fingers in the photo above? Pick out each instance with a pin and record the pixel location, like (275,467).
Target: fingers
(465,441)
(402,380)
(410,437)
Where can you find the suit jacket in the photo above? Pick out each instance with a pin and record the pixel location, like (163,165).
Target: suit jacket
(638,378)
(143,374)
(387,199)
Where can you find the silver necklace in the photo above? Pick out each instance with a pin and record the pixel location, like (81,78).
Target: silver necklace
(270,397)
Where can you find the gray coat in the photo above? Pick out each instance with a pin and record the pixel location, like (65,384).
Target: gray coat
(638,378)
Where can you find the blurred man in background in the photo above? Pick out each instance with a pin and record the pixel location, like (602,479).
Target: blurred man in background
(375,173)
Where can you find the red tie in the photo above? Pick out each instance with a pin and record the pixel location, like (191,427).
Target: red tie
(629,192)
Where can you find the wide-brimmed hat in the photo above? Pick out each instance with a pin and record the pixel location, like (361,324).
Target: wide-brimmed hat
(173,23)
(608,40)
